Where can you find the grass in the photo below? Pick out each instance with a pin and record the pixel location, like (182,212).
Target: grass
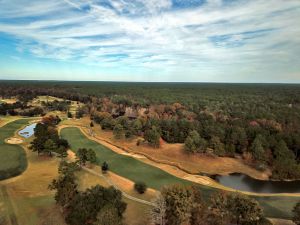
(37,210)
(277,206)
(122,165)
(27,198)
(132,169)
(136,213)
(12,157)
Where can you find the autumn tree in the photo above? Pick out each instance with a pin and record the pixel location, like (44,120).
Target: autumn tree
(179,203)
(86,206)
(108,215)
(243,210)
(217,146)
(194,143)
(158,212)
(47,140)
(86,155)
(285,165)
(118,131)
(258,151)
(153,136)
(65,185)
(237,209)
(50,146)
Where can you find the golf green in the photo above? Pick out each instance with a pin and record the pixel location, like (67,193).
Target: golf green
(12,157)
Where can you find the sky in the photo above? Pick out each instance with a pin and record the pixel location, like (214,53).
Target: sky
(254,41)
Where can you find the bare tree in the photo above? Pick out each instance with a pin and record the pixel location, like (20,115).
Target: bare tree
(158,212)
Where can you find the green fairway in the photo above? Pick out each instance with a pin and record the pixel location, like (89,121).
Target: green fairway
(12,157)
(122,165)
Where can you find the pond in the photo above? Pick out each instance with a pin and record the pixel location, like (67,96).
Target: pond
(28,131)
(243,182)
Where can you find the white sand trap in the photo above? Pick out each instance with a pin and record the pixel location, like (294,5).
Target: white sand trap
(14,141)
(133,155)
(197,179)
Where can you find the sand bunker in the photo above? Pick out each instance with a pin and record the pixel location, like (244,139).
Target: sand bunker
(14,141)
(133,155)
(197,179)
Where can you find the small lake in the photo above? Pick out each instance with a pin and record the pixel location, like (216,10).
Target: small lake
(243,182)
(28,131)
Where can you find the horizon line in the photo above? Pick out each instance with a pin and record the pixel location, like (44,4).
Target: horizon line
(124,81)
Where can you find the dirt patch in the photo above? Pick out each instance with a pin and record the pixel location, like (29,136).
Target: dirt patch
(14,141)
(71,156)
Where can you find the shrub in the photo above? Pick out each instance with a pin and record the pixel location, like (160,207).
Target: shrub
(140,187)
(104,167)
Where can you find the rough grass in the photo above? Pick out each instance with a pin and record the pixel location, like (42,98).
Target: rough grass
(136,213)
(277,206)
(12,157)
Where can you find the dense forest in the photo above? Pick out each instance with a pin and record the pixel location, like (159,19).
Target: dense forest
(259,122)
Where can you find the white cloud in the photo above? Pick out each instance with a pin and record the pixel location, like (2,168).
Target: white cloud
(152,34)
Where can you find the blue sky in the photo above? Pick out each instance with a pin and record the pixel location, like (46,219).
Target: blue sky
(151,40)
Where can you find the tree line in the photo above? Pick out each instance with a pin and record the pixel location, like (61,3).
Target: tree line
(259,122)
(178,205)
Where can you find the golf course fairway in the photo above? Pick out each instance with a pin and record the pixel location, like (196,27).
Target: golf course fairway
(122,165)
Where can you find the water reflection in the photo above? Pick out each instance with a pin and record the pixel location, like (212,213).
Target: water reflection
(243,182)
(28,131)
